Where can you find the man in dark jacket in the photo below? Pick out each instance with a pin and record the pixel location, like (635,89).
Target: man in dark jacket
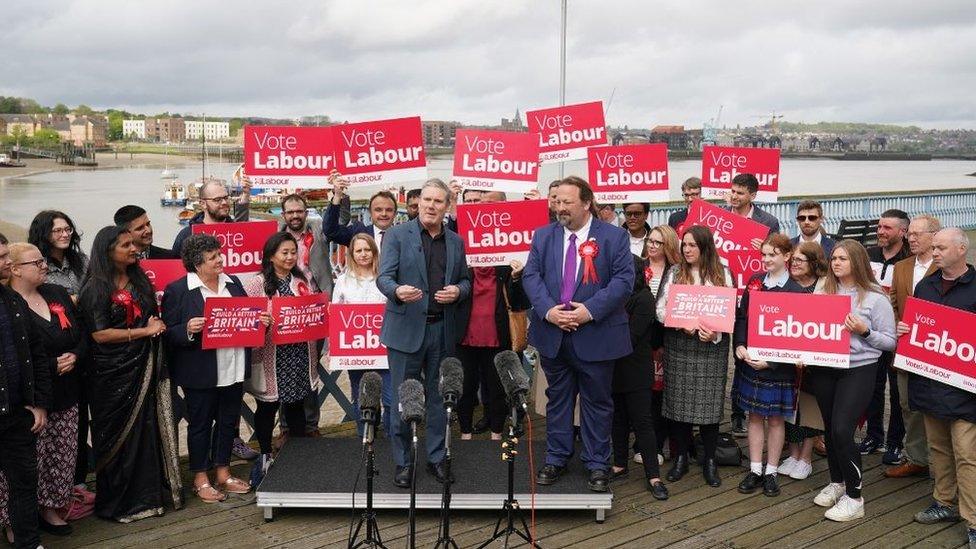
(949,413)
(216,204)
(25,395)
(136,221)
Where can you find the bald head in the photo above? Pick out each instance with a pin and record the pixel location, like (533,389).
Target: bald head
(949,247)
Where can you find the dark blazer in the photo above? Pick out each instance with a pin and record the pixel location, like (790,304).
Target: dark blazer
(191,366)
(516,295)
(777,371)
(32,359)
(65,389)
(402,261)
(635,372)
(342,234)
(677,218)
(606,336)
(155,252)
(826,243)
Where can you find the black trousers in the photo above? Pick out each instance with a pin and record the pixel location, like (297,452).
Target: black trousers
(661,423)
(634,410)
(896,425)
(18,461)
(213,415)
(843,395)
(682,433)
(264,419)
(83,457)
(479,370)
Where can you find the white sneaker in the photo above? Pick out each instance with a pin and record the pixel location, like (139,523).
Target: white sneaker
(846,509)
(830,494)
(801,470)
(786,466)
(638,458)
(660,459)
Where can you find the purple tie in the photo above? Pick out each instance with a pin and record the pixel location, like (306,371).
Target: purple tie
(569,271)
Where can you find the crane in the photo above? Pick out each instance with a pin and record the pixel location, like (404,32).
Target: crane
(710,129)
(773,117)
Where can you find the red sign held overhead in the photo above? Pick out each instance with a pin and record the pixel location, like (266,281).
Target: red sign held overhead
(566,132)
(279,157)
(496,233)
(241,244)
(298,319)
(807,328)
(731,231)
(496,161)
(381,153)
(233,322)
(629,173)
(721,164)
(354,336)
(711,306)
(744,264)
(161,272)
(939,345)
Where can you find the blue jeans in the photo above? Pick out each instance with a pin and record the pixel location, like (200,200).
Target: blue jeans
(355,376)
(423,365)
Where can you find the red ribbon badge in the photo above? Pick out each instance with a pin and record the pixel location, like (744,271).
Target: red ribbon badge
(124,299)
(648,274)
(307,240)
(302,288)
(589,250)
(58,310)
(755,285)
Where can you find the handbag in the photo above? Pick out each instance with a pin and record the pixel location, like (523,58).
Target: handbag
(727,452)
(518,324)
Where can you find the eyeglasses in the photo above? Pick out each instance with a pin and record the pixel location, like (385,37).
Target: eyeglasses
(802,218)
(917,234)
(224,198)
(37,263)
(798,261)
(63,230)
(655,243)
(634,214)
(689,195)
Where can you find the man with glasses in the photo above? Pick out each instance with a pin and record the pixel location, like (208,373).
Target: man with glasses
(635,217)
(690,190)
(216,209)
(136,221)
(809,218)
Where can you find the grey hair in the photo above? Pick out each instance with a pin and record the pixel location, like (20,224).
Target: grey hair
(437,184)
(957,235)
(209,183)
(195,248)
(931,222)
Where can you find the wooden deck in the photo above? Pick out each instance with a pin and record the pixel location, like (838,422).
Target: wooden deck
(696,516)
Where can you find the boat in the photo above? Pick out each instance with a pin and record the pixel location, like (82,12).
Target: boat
(174,194)
(167,173)
(187,213)
(7,162)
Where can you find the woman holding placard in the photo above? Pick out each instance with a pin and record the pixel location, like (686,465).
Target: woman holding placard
(697,359)
(283,375)
(843,394)
(357,284)
(766,390)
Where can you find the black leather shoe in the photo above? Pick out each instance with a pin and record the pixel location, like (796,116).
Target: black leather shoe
(679,468)
(481,426)
(770,486)
(710,472)
(657,489)
(549,474)
(599,480)
(54,529)
(438,470)
(402,476)
(750,483)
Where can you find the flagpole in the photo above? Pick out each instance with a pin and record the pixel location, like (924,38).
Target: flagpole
(562,67)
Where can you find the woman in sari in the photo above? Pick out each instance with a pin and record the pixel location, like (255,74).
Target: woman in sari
(132,427)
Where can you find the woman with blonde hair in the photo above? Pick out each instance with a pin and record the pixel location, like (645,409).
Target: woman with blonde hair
(843,394)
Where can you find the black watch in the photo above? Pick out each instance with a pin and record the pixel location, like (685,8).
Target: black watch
(866,334)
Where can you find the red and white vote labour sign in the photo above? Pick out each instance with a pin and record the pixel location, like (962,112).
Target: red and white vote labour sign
(629,173)
(692,305)
(730,230)
(807,328)
(566,132)
(288,157)
(241,244)
(721,164)
(495,233)
(496,161)
(382,153)
(233,322)
(161,272)
(354,336)
(940,344)
(300,318)
(743,264)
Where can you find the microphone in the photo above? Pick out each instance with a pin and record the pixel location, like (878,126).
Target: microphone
(370,389)
(412,405)
(452,381)
(513,378)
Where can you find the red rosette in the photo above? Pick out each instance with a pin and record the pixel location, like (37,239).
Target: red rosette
(302,288)
(648,274)
(588,250)
(58,310)
(755,285)
(124,299)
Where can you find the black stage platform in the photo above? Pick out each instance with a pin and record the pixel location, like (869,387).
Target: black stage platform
(319,472)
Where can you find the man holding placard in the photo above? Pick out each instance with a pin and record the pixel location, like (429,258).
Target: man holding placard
(949,411)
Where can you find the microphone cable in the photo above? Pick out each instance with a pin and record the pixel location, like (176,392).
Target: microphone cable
(355,485)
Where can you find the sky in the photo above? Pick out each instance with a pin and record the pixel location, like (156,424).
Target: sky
(879,61)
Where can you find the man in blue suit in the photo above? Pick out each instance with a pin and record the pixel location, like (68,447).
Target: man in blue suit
(809,218)
(579,326)
(423,275)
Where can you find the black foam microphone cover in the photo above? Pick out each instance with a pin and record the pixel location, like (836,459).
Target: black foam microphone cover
(370,391)
(512,375)
(452,380)
(412,406)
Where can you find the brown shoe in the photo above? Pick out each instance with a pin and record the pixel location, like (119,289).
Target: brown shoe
(906,470)
(820,447)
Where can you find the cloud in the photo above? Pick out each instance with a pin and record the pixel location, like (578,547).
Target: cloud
(663,63)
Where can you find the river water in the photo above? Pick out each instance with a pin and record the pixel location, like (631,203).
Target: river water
(90,197)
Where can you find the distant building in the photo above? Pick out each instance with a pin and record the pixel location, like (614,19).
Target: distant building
(674,136)
(165,129)
(214,130)
(438,133)
(134,129)
(515,124)
(24,124)
(89,129)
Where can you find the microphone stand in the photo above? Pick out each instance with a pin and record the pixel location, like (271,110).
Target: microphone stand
(368,518)
(444,539)
(412,535)
(511,509)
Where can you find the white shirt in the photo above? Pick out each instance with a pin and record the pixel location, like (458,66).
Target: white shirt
(230,362)
(581,235)
(770,282)
(919,271)
(817,239)
(378,235)
(350,289)
(637,243)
